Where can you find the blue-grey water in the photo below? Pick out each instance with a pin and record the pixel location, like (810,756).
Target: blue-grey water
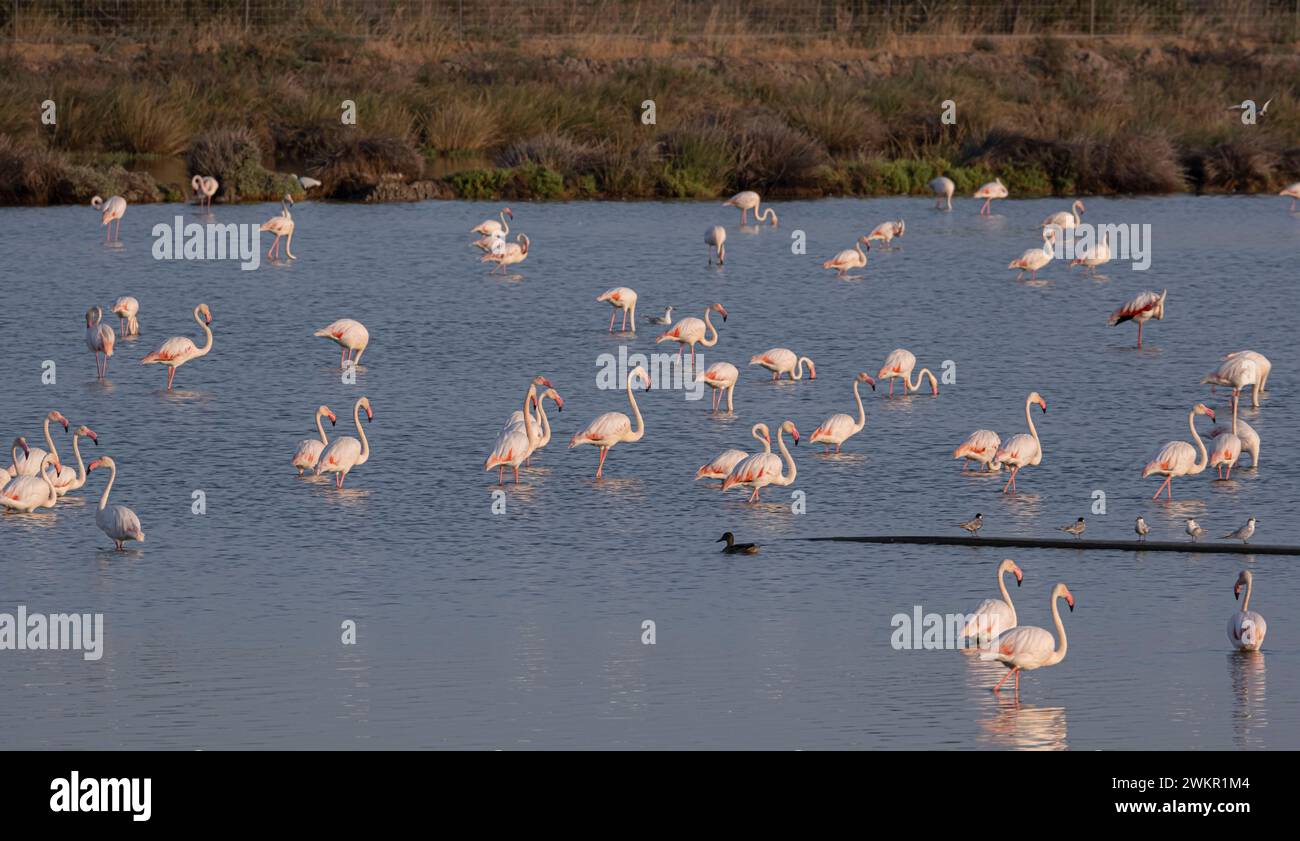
(523,629)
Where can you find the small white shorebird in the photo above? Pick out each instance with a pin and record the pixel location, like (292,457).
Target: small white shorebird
(973,525)
(1194,529)
(1076,528)
(665,319)
(1244,533)
(1141,528)
(1246,628)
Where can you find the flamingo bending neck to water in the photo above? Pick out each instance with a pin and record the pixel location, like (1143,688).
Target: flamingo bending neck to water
(722,466)
(899,365)
(721,377)
(839,427)
(1237,371)
(350,335)
(1246,628)
(981,447)
(1028,647)
(994,189)
(509,254)
(493,227)
(994,616)
(117,521)
(614,427)
(1292,192)
(309,449)
(1264,368)
(1245,433)
(113,209)
(126,308)
(762,469)
(1179,458)
(344,453)
(620,298)
(178,350)
(781,360)
(716,238)
(748,200)
(692,331)
(1022,449)
(99,339)
(943,188)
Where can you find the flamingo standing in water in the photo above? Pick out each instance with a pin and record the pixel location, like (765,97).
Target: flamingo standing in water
(282,226)
(1099,254)
(839,427)
(748,200)
(1022,450)
(721,377)
(981,447)
(899,365)
(205,187)
(1246,628)
(178,350)
(1141,309)
(995,189)
(716,238)
(1035,259)
(517,421)
(126,309)
(1245,433)
(1179,458)
(516,443)
(113,209)
(1227,449)
(762,469)
(1066,220)
(1029,647)
(309,449)
(117,521)
(66,478)
(350,335)
(1265,368)
(943,188)
(781,360)
(1237,371)
(30,463)
(25,494)
(614,427)
(1293,193)
(620,298)
(886,232)
(510,254)
(99,339)
(849,258)
(691,331)
(494,228)
(994,616)
(720,468)
(344,453)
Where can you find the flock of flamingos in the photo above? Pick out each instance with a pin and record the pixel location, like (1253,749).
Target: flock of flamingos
(37,477)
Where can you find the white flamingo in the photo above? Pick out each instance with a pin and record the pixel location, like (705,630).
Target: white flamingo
(30,464)
(994,189)
(1140,310)
(282,226)
(205,187)
(993,616)
(762,469)
(1237,372)
(839,427)
(781,360)
(345,453)
(1027,647)
(692,331)
(1179,458)
(117,521)
(178,350)
(723,464)
(1097,255)
(620,298)
(69,479)
(25,494)
(510,254)
(1022,449)
(126,309)
(1293,193)
(1264,367)
(886,233)
(1035,259)
(516,443)
(517,420)
(113,209)
(1245,433)
(899,365)
(309,449)
(716,238)
(494,228)
(943,188)
(721,377)
(1066,220)
(849,258)
(749,200)
(614,427)
(981,447)
(100,339)
(1246,628)
(350,335)
(1227,449)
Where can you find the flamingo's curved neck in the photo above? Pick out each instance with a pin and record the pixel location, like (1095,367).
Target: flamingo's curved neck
(1029,419)
(207,346)
(365,443)
(1059,654)
(862,411)
(923,374)
(862,255)
(530,397)
(636,412)
(797,373)
(76,454)
(545,436)
(103,498)
(49,441)
(768,213)
(13,455)
(53,496)
(765,440)
(1245,603)
(1074,210)
(789,460)
(319,428)
(709,328)
(505,226)
(1006,596)
(1204,460)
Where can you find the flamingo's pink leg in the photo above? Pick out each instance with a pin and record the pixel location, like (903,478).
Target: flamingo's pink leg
(612,314)
(891,386)
(171,375)
(501,474)
(1010,479)
(998,688)
(754,496)
(604,451)
(624,327)
(516,474)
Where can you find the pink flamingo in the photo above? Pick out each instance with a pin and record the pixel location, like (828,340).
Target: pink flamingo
(781,360)
(1179,458)
(749,200)
(1293,193)
(1265,368)
(1029,647)
(981,447)
(620,298)
(1236,372)
(491,228)
(309,449)
(126,309)
(849,258)
(1022,450)
(178,350)
(1141,309)
(762,469)
(692,331)
(29,464)
(994,189)
(994,616)
(839,427)
(716,238)
(516,443)
(510,254)
(117,521)
(886,232)
(205,187)
(721,377)
(899,365)
(1098,255)
(282,226)
(113,209)
(99,339)
(25,494)
(722,466)
(1227,449)
(344,453)
(67,478)
(1065,220)
(1246,628)
(1245,433)
(614,427)
(1036,259)
(350,335)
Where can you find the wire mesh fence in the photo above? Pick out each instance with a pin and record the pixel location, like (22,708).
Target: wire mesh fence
(507,20)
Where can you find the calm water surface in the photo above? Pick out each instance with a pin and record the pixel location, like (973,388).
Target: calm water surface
(524,629)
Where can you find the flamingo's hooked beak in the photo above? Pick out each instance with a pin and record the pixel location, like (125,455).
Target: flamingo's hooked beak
(63,421)
(22,442)
(871,382)
(90,433)
(1069,600)
(794,433)
(1019,575)
(559,403)
(1210,412)
(90,467)
(1236,591)
(370,416)
(332,418)
(546,382)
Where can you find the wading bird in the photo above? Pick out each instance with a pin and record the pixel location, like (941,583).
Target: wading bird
(205,187)
(748,200)
(1264,368)
(30,463)
(762,469)
(721,466)
(178,350)
(1066,220)
(1227,449)
(309,449)
(1293,193)
(886,232)
(781,360)
(620,298)
(980,447)
(498,227)
(113,209)
(1036,259)
(1022,449)
(1140,310)
(1096,255)
(1245,433)
(25,494)
(117,521)
(1141,528)
(1237,372)
(899,365)
(839,427)
(943,188)
(126,309)
(721,377)
(994,616)
(1028,647)
(1244,533)
(716,238)
(994,189)
(510,254)
(66,478)
(1246,628)
(614,427)
(692,331)
(344,453)
(516,441)
(849,258)
(282,226)
(350,335)
(1179,458)
(99,340)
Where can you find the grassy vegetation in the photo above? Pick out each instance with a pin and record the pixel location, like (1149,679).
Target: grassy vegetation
(563,119)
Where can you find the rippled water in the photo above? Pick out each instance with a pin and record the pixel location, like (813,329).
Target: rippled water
(523,629)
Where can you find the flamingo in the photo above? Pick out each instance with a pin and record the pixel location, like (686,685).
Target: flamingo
(492,227)
(99,339)
(849,258)
(205,187)
(614,427)
(885,232)
(281,226)
(1178,458)
(748,200)
(1227,449)
(691,331)
(1099,254)
(1035,259)
(781,360)
(762,469)
(1236,372)
(1066,220)
(899,365)
(68,479)
(117,521)
(517,417)
(515,443)
(1265,368)
(511,253)
(114,208)
(20,443)
(30,464)
(545,437)
(1246,628)
(620,298)
(1292,192)
(1022,450)
(344,453)
(993,616)
(25,494)
(721,377)
(994,189)
(348,334)
(1029,647)
(1245,433)
(178,350)
(309,449)
(1141,309)
(943,188)
(839,428)
(492,244)
(126,308)
(721,466)
(981,447)
(716,239)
